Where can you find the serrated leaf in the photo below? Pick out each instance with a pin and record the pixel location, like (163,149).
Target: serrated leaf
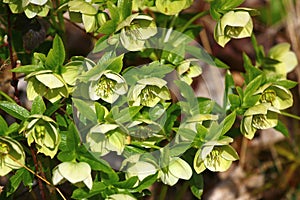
(56,55)
(14,110)
(38,106)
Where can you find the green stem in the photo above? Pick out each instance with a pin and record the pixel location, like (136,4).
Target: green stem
(290,115)
(163,192)
(199,15)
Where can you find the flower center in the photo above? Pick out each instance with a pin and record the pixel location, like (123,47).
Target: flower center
(4,149)
(213,156)
(105,87)
(268,96)
(148,93)
(233,31)
(259,121)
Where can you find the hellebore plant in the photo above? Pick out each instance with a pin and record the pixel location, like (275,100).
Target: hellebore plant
(279,97)
(234,24)
(107,86)
(74,172)
(131,96)
(12,155)
(287,60)
(42,131)
(31,8)
(47,84)
(260,116)
(104,138)
(148,92)
(135,30)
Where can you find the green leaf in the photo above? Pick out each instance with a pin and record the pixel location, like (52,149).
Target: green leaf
(56,55)
(114,11)
(127,114)
(21,175)
(14,110)
(127,184)
(38,106)
(196,185)
(84,193)
(228,122)
(3,126)
(253,86)
(26,69)
(144,184)
(288,84)
(125,8)
(84,108)
(96,163)
(282,128)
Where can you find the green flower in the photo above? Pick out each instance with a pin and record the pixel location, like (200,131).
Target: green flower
(288,60)
(171,7)
(216,156)
(135,30)
(279,97)
(12,155)
(176,169)
(142,167)
(104,138)
(137,166)
(31,8)
(233,24)
(188,70)
(107,86)
(75,173)
(47,84)
(261,116)
(148,92)
(42,130)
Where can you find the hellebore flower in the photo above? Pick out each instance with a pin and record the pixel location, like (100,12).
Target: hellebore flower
(42,130)
(135,166)
(261,116)
(148,92)
(107,86)
(31,8)
(171,7)
(288,60)
(188,70)
(216,156)
(12,155)
(104,138)
(75,173)
(47,84)
(279,97)
(233,24)
(135,30)
(176,169)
